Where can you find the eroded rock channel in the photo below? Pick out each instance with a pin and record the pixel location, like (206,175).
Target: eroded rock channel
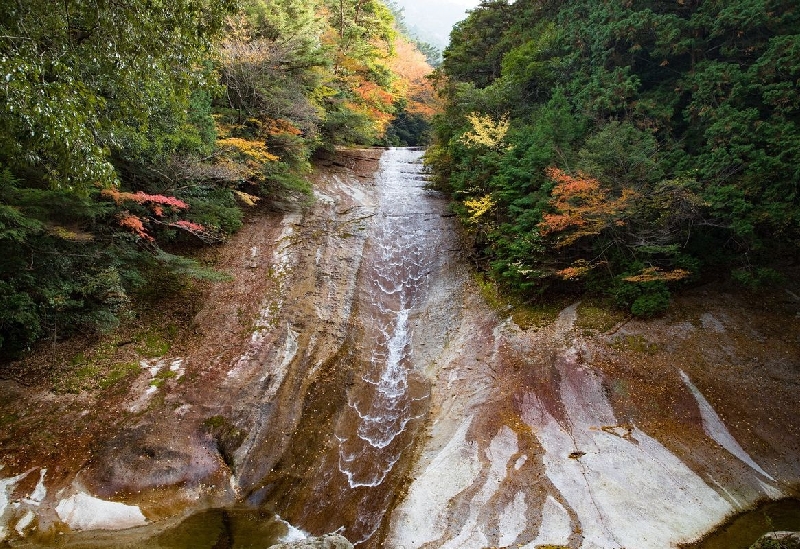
(352,379)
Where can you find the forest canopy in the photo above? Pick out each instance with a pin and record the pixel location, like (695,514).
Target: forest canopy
(626,148)
(133,132)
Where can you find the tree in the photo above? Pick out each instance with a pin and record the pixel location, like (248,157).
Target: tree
(79,72)
(653,139)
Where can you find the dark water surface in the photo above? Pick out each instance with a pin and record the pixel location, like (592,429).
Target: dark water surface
(744,529)
(210,529)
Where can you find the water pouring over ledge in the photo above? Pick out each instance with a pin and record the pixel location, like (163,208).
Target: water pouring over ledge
(347,459)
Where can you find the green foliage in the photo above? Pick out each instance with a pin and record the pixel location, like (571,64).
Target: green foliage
(343,125)
(125,127)
(408,130)
(759,277)
(77,74)
(683,115)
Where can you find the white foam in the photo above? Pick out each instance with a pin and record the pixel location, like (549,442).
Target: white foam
(293,533)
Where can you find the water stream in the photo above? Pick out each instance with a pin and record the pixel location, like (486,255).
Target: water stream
(386,397)
(375,395)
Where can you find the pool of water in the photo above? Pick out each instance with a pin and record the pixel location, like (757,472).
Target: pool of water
(210,529)
(743,530)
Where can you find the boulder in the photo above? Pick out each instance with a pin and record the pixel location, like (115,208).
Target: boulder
(778,540)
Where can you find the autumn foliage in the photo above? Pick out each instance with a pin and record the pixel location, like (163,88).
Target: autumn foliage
(583,207)
(155,207)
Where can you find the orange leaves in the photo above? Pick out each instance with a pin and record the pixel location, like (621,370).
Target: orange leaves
(280,126)
(155,201)
(374,101)
(583,207)
(408,62)
(576,270)
(412,70)
(134,224)
(371,93)
(650,274)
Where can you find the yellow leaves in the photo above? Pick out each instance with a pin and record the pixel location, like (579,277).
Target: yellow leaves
(486,132)
(650,274)
(246,198)
(479,206)
(253,150)
(73,235)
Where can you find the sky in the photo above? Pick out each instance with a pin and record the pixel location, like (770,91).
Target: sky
(432,20)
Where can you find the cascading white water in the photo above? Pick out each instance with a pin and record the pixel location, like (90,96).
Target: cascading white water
(388,398)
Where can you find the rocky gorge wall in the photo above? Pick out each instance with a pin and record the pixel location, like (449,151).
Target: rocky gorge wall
(352,378)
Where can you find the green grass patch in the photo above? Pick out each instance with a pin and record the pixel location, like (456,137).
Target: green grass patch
(153,343)
(117,373)
(525,314)
(636,343)
(598,315)
(91,374)
(8,419)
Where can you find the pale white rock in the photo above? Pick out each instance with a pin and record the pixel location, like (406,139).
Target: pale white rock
(84,512)
(513,520)
(354,192)
(503,447)
(555,526)
(39,492)
(454,469)
(627,491)
(24,522)
(716,429)
(324,198)
(177,367)
(7,486)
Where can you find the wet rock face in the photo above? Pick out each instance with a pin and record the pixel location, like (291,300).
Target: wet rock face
(330,541)
(342,462)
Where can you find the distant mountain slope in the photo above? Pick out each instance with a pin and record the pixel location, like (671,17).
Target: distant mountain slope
(432,21)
